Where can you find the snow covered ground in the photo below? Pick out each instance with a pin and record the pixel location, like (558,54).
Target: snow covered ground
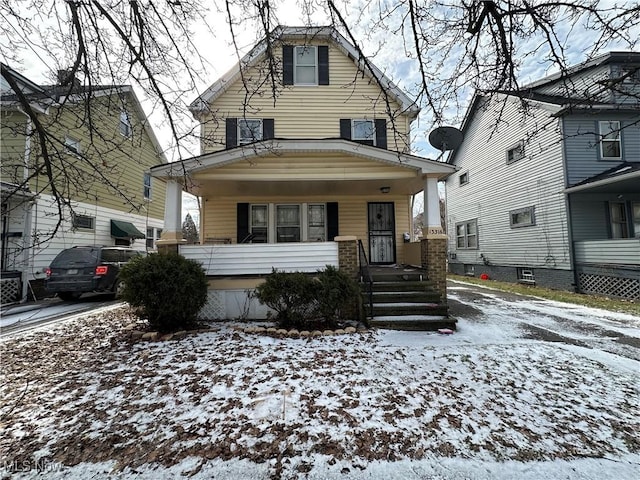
(78,401)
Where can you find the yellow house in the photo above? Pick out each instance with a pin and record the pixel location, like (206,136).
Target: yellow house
(306,168)
(100,147)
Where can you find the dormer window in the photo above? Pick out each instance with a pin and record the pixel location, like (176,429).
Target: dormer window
(610,145)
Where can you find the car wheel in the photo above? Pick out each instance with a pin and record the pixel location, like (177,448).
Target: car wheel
(118,289)
(69,295)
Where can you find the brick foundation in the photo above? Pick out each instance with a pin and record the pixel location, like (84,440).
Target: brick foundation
(433,256)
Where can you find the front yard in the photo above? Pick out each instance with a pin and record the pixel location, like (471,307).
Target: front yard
(79,401)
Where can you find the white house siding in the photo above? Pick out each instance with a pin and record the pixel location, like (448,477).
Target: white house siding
(582,149)
(45,218)
(495,188)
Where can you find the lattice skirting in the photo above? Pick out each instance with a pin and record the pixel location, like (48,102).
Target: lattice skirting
(10,289)
(628,288)
(214,309)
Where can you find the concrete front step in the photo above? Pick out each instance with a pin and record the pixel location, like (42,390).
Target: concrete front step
(409,308)
(406,296)
(413,322)
(403,286)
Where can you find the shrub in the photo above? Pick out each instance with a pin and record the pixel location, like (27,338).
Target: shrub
(302,301)
(290,295)
(168,290)
(336,294)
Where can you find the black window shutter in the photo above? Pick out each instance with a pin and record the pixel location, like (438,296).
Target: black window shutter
(287,64)
(232,132)
(381,133)
(242,223)
(332,221)
(323,65)
(345,128)
(267,129)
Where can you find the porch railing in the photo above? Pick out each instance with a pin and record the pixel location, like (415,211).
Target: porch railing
(262,258)
(623,252)
(365,276)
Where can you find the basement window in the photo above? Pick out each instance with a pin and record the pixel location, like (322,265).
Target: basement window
(525,275)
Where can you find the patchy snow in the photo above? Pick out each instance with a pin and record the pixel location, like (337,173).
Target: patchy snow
(78,401)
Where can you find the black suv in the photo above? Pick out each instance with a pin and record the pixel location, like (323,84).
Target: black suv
(79,270)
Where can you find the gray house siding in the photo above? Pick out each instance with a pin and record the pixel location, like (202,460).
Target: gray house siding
(582,147)
(585,207)
(496,188)
(583,84)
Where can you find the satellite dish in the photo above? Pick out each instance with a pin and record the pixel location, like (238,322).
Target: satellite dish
(445,138)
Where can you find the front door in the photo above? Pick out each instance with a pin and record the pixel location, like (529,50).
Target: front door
(382,227)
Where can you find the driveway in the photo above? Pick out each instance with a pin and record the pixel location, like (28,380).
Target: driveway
(545,320)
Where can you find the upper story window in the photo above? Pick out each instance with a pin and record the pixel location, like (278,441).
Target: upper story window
(610,142)
(305,64)
(515,153)
(240,131)
(367,132)
(72,145)
(249,130)
(147,186)
(464,178)
(467,234)
(125,124)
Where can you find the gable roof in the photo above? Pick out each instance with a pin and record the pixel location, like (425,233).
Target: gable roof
(283,33)
(56,95)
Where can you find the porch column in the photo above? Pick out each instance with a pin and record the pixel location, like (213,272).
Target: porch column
(431,207)
(172,232)
(433,247)
(348,263)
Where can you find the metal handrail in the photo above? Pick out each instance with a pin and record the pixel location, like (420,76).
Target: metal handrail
(365,275)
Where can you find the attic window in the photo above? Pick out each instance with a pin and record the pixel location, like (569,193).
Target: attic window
(305,63)
(515,153)
(125,124)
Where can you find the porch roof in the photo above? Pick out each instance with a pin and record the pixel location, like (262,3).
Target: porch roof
(310,166)
(623,178)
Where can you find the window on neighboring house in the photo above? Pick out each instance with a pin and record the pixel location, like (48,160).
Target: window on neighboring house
(72,145)
(635,210)
(515,153)
(153,235)
(464,178)
(618,216)
(147,186)
(316,223)
(84,221)
(125,124)
(249,130)
(522,217)
(305,64)
(259,227)
(367,132)
(287,223)
(610,142)
(467,234)
(525,275)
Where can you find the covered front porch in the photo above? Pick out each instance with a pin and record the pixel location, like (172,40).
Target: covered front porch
(299,205)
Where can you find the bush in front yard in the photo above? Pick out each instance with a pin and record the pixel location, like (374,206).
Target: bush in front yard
(168,290)
(303,301)
(336,294)
(290,295)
